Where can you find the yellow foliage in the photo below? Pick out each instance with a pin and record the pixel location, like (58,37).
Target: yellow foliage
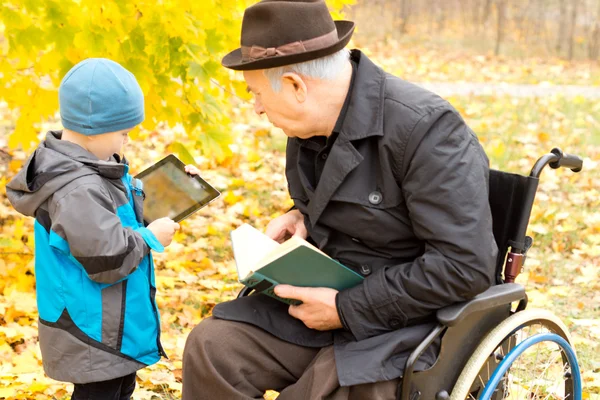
(173,48)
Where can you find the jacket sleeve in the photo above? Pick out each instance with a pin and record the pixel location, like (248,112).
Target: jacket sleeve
(86,228)
(445,184)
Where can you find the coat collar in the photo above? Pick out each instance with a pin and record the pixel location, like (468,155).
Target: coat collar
(363,119)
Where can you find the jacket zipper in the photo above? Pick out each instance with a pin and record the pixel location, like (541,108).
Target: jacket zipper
(138,189)
(161,350)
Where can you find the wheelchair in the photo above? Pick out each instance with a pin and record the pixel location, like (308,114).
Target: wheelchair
(490,349)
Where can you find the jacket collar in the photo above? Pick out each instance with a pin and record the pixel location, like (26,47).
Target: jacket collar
(363,119)
(113,169)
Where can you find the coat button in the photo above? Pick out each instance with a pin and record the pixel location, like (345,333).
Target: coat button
(365,269)
(324,156)
(395,323)
(375,197)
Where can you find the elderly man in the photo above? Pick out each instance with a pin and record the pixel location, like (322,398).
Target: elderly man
(386,178)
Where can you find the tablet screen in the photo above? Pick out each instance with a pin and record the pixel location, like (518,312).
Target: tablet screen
(171,192)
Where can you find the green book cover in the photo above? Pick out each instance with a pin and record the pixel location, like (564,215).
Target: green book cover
(263,263)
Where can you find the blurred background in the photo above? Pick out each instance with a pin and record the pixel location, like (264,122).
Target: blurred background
(568,29)
(525,75)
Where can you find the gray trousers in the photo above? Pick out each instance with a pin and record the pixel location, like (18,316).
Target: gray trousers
(226,360)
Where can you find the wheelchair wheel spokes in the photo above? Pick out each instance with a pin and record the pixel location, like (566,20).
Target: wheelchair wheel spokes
(541,370)
(511,380)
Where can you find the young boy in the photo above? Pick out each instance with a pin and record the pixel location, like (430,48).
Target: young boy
(98,321)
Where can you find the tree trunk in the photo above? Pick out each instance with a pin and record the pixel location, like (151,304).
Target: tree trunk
(537,15)
(441,16)
(526,17)
(476,15)
(501,5)
(572,29)
(405,8)
(487,10)
(519,19)
(594,44)
(462,9)
(430,11)
(562,26)
(545,37)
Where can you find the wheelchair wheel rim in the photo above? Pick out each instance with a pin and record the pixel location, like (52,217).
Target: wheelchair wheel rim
(542,373)
(553,376)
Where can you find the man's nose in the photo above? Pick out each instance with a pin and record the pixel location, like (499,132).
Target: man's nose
(258,107)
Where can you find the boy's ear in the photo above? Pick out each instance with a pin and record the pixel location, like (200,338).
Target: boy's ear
(298,86)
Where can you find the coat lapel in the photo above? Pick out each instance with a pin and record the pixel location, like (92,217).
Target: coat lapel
(342,159)
(363,119)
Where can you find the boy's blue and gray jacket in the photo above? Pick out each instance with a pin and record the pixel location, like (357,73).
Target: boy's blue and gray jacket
(94,271)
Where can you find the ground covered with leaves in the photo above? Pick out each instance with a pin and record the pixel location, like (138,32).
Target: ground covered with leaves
(197,271)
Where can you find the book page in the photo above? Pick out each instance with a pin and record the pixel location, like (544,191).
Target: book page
(249,246)
(284,248)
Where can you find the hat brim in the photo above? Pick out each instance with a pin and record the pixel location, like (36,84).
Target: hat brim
(234,61)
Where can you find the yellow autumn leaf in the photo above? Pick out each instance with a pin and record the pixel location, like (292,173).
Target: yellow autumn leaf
(231,198)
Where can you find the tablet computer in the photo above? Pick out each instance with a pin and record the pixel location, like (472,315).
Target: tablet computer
(171,192)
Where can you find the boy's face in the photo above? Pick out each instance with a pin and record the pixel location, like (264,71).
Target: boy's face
(105,145)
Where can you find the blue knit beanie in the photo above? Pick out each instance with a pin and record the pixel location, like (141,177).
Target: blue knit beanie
(99,96)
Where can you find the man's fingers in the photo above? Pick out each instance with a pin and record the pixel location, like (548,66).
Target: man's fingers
(301,231)
(295,312)
(272,232)
(277,229)
(291,292)
(277,234)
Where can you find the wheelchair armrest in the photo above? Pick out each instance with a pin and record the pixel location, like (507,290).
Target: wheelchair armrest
(495,296)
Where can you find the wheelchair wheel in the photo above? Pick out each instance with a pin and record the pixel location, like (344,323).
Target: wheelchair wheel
(544,368)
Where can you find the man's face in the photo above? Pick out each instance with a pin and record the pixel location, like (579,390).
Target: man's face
(283,108)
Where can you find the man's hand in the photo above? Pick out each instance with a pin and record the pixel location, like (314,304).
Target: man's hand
(164,229)
(317,311)
(286,225)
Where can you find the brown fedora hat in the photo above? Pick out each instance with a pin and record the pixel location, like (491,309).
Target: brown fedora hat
(283,32)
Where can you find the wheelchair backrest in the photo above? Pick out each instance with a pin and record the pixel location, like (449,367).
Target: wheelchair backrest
(509,203)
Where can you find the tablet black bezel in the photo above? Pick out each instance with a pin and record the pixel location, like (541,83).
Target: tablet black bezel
(171,158)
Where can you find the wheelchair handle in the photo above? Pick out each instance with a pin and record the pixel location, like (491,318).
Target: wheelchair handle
(557,159)
(575,163)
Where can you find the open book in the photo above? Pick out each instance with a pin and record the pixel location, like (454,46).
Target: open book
(262,263)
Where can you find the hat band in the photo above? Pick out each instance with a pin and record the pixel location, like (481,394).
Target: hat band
(257,52)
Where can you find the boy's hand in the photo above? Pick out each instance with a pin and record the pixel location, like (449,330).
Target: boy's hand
(164,229)
(192,170)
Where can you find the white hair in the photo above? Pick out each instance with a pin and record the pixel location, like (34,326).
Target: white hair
(325,68)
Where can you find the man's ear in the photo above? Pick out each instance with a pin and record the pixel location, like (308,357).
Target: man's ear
(296,83)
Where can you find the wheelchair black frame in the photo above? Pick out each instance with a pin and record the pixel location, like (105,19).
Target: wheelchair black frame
(514,263)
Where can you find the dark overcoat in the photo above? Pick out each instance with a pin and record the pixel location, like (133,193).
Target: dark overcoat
(403,200)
